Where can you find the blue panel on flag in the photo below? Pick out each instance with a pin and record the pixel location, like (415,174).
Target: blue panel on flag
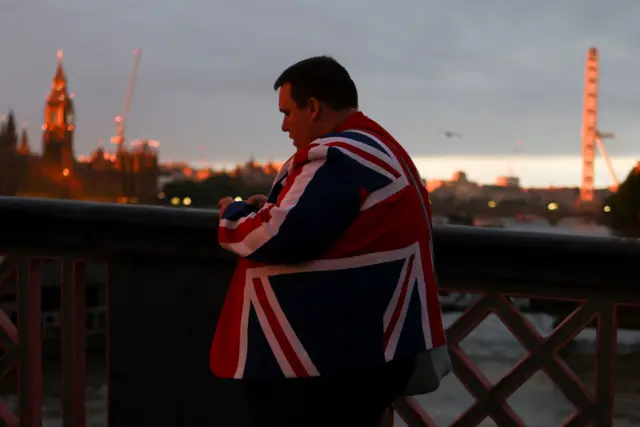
(320,306)
(356,136)
(260,358)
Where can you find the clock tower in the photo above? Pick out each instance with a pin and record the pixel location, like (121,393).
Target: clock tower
(59,123)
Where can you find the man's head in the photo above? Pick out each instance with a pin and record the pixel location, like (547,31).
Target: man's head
(316,95)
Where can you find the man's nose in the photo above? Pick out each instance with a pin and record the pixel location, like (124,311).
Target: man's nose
(285,126)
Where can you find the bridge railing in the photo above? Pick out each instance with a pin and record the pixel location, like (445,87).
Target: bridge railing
(595,275)
(166,281)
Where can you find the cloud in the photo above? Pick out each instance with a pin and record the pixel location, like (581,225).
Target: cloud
(495,71)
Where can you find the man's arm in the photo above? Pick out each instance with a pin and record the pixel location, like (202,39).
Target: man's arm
(234,211)
(314,213)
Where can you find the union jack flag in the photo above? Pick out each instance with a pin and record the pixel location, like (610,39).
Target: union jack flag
(336,270)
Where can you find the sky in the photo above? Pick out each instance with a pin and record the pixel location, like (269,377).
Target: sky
(495,71)
(534,171)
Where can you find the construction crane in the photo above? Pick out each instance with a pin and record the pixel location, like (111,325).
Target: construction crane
(600,136)
(121,121)
(512,159)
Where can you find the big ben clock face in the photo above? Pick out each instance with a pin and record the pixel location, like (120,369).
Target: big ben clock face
(70,118)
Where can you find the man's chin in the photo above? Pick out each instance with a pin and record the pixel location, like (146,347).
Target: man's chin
(300,145)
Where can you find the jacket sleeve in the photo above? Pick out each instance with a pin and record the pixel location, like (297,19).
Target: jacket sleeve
(317,208)
(237,210)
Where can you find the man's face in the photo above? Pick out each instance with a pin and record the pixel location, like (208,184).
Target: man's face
(299,123)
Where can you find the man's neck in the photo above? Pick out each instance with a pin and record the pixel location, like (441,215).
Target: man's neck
(341,116)
(335,120)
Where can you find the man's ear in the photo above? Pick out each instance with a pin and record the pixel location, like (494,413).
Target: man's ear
(315,108)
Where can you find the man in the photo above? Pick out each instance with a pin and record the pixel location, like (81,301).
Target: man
(333,311)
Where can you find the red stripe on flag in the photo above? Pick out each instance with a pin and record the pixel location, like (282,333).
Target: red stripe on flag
(225,349)
(290,179)
(239,233)
(286,347)
(398,308)
(369,157)
(438,336)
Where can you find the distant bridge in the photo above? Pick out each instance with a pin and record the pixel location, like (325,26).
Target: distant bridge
(552,212)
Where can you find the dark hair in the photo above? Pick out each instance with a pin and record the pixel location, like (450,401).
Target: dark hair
(323,78)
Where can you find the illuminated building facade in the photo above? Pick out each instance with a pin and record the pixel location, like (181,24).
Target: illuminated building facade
(131,176)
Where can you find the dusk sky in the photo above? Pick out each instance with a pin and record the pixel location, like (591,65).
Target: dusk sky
(494,71)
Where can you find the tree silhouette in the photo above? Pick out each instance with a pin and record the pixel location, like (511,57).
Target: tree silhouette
(624,215)
(208,192)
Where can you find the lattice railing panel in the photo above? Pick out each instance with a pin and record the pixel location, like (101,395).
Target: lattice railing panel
(542,354)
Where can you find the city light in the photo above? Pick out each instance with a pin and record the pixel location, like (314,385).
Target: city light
(492,204)
(186,201)
(607,208)
(65,172)
(552,206)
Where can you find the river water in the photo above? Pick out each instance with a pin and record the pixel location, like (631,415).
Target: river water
(491,347)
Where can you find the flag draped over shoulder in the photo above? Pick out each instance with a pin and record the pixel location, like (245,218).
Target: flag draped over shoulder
(336,270)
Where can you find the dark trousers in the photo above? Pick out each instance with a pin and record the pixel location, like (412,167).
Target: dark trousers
(351,400)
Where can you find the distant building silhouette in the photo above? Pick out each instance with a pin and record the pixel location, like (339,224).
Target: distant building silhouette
(130,176)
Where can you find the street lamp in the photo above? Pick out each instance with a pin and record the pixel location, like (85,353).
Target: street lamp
(67,183)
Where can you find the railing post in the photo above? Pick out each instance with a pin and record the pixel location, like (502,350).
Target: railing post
(30,347)
(606,349)
(73,343)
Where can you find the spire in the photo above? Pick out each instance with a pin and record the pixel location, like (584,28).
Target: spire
(11,123)
(59,80)
(59,106)
(24,142)
(8,135)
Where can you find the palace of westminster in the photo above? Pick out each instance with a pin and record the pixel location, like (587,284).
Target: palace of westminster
(126,176)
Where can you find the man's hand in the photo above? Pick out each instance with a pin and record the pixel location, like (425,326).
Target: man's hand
(223,203)
(257,200)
